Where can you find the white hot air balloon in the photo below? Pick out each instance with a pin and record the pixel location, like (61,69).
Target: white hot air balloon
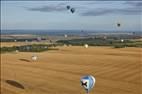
(122,40)
(86,46)
(17,51)
(34,58)
(45,47)
(65,35)
(65,45)
(26,41)
(88,83)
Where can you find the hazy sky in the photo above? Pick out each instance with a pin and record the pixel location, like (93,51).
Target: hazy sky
(89,15)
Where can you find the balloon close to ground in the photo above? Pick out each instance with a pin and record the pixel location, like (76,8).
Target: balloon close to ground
(122,40)
(88,82)
(17,51)
(65,36)
(34,58)
(86,46)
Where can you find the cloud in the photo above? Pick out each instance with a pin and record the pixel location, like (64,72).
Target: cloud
(134,3)
(132,8)
(49,8)
(99,12)
(85,9)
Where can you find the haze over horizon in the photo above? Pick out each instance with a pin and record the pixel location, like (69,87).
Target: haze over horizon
(89,15)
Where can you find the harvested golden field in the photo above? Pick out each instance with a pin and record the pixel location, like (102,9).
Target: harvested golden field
(117,71)
(10,44)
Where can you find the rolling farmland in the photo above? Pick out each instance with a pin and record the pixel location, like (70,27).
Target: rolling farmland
(117,71)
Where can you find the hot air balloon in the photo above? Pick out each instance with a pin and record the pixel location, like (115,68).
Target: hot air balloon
(34,57)
(72,10)
(68,7)
(39,38)
(122,40)
(133,33)
(65,35)
(118,24)
(45,47)
(82,31)
(86,45)
(88,82)
(65,45)
(26,41)
(16,51)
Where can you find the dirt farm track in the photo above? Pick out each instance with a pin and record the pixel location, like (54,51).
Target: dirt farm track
(117,71)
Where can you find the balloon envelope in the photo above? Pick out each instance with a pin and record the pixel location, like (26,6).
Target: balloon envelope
(65,36)
(72,10)
(118,24)
(86,46)
(34,58)
(88,82)
(122,40)
(68,7)
(17,51)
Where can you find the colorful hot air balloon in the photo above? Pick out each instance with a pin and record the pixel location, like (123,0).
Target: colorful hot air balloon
(88,82)
(72,10)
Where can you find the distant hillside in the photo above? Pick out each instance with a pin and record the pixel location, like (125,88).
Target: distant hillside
(69,32)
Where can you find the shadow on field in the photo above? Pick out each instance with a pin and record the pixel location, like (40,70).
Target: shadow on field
(25,60)
(15,84)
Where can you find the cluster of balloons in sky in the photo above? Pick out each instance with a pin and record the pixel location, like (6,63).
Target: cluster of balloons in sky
(72,10)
